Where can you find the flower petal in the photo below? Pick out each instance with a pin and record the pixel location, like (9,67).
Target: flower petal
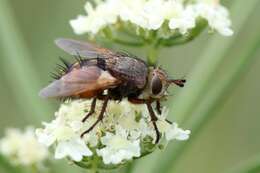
(74,148)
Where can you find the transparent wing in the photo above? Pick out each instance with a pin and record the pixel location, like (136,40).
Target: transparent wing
(87,79)
(84,49)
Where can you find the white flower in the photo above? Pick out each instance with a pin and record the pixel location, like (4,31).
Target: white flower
(118,148)
(57,130)
(22,147)
(176,133)
(65,131)
(132,11)
(152,14)
(74,148)
(97,18)
(79,25)
(68,141)
(216,15)
(172,131)
(183,21)
(115,140)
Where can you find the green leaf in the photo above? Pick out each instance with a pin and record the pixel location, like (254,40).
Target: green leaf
(18,68)
(249,166)
(199,83)
(216,96)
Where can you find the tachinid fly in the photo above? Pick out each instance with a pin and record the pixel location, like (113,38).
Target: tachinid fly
(122,75)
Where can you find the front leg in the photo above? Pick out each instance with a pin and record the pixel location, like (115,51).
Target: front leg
(140,101)
(158,107)
(154,120)
(136,101)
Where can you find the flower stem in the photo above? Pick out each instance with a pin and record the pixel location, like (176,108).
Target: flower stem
(127,43)
(111,36)
(94,171)
(152,55)
(95,165)
(180,39)
(34,169)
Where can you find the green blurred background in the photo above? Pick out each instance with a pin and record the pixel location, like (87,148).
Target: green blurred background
(220,103)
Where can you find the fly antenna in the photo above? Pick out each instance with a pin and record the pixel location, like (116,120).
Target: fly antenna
(178,82)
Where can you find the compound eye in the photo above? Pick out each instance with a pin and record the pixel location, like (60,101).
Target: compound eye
(156,85)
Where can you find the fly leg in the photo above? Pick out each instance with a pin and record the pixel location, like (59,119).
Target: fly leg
(158,107)
(168,121)
(151,112)
(154,120)
(142,101)
(100,117)
(92,110)
(159,110)
(136,101)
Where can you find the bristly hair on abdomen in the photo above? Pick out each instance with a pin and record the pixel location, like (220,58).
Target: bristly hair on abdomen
(61,69)
(65,67)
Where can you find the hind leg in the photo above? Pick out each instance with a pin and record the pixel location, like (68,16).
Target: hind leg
(100,117)
(92,110)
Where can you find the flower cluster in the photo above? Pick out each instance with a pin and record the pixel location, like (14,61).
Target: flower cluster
(168,17)
(126,132)
(23,148)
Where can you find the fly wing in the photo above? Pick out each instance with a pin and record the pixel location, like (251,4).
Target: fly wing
(84,49)
(86,79)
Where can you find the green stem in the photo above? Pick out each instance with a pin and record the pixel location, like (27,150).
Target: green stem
(129,167)
(94,171)
(34,169)
(152,55)
(130,31)
(127,43)
(182,39)
(95,165)
(111,36)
